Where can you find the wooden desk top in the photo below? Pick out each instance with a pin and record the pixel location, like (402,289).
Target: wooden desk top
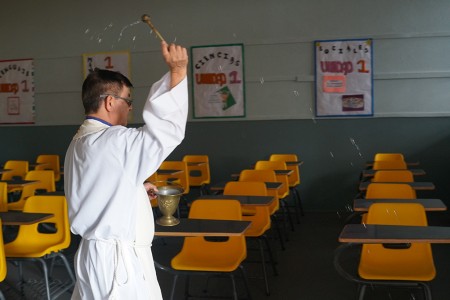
(371,172)
(235,176)
(428,204)
(194,164)
(203,227)
(376,234)
(22,218)
(294,163)
(245,200)
(269,185)
(419,186)
(4,171)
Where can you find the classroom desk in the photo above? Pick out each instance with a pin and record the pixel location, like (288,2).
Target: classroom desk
(408,163)
(384,234)
(235,176)
(219,187)
(294,163)
(168,172)
(244,200)
(196,164)
(22,218)
(371,172)
(18,183)
(362,205)
(203,227)
(418,186)
(5,171)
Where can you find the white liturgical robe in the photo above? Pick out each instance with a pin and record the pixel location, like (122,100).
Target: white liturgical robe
(105,167)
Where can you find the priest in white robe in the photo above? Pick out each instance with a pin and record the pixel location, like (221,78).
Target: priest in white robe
(105,167)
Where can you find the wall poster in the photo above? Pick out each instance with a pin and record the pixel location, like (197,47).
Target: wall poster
(17,91)
(344,78)
(118,61)
(218,81)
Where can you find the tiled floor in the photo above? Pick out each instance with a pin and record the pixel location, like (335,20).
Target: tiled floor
(305,268)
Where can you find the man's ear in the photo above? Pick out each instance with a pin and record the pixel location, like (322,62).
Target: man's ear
(108,103)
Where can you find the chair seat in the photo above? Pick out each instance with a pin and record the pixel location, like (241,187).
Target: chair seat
(28,250)
(213,261)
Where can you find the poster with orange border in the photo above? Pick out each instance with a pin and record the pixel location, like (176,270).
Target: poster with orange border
(344,78)
(17,91)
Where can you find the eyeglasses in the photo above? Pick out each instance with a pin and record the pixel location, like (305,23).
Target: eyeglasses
(129,101)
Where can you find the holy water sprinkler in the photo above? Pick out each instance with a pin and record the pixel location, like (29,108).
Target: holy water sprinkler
(146,19)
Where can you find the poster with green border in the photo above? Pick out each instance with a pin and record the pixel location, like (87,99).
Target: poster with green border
(218,81)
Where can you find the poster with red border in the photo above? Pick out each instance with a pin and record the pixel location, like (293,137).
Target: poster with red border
(17,91)
(344,78)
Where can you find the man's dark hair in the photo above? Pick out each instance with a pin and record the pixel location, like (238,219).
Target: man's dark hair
(101,82)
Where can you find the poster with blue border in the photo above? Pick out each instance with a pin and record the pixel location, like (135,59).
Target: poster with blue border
(344,77)
(218,81)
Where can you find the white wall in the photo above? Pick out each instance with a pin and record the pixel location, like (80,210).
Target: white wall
(411,48)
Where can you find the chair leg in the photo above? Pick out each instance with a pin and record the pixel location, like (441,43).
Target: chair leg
(426,291)
(233,283)
(47,286)
(174,283)
(186,286)
(278,229)
(244,276)
(298,204)
(288,214)
(362,291)
(263,264)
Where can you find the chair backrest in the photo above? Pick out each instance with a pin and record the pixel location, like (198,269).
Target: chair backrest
(49,162)
(17,167)
(180,178)
(389,165)
(3,267)
(198,168)
(294,179)
(3,196)
(416,256)
(220,210)
(52,242)
(245,188)
(388,156)
(390,191)
(262,176)
(393,176)
(276,165)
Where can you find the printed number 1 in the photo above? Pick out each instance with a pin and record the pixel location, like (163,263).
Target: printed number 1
(108,62)
(363,69)
(234,77)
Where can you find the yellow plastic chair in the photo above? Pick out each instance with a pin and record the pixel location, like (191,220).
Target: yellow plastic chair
(181,178)
(44,181)
(201,256)
(294,178)
(260,219)
(198,171)
(3,267)
(390,165)
(283,192)
(390,191)
(267,176)
(18,168)
(412,263)
(389,265)
(388,156)
(393,176)
(31,244)
(3,196)
(49,162)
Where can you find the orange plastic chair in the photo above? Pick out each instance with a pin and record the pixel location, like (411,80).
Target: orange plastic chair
(3,267)
(267,176)
(198,171)
(260,219)
(17,168)
(201,256)
(3,196)
(390,165)
(388,156)
(393,176)
(49,162)
(31,244)
(44,181)
(413,262)
(182,178)
(390,191)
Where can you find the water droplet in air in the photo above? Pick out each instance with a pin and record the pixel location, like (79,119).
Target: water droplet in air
(331,154)
(295,93)
(261,80)
(86,31)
